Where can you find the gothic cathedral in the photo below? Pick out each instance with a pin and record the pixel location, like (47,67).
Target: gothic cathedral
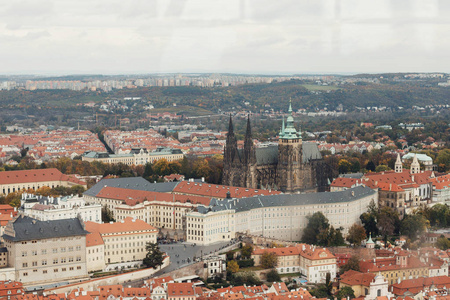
(291,166)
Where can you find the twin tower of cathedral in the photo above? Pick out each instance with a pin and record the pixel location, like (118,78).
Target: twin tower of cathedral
(291,166)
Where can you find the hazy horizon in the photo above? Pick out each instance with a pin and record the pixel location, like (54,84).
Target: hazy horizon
(54,38)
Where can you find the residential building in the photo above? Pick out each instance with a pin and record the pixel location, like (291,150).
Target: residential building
(15,181)
(411,287)
(56,208)
(313,262)
(215,266)
(210,227)
(9,289)
(46,251)
(180,291)
(124,241)
(95,252)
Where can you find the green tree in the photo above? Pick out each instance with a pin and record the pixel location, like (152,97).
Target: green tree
(345,292)
(320,291)
(352,264)
(382,168)
(330,237)
(154,257)
(443,243)
(247,251)
(369,219)
(232,266)
(107,215)
(370,166)
(273,276)
(356,234)
(388,222)
(413,225)
(269,260)
(316,223)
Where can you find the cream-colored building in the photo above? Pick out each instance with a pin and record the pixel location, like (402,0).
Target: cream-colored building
(95,252)
(284,216)
(46,251)
(313,262)
(208,228)
(136,156)
(15,181)
(56,208)
(124,241)
(161,210)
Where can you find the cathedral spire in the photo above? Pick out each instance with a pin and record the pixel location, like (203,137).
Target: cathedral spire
(248,132)
(230,126)
(249,151)
(398,164)
(290,106)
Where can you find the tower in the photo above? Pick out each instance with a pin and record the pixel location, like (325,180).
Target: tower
(249,158)
(289,156)
(415,166)
(231,159)
(398,164)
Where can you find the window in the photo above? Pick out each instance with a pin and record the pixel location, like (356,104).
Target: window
(55,261)
(70,259)
(55,250)
(44,251)
(79,268)
(70,249)
(25,274)
(78,248)
(63,249)
(24,253)
(24,265)
(34,252)
(34,263)
(78,258)
(44,271)
(44,262)
(55,270)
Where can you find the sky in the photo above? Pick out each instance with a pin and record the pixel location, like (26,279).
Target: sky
(237,36)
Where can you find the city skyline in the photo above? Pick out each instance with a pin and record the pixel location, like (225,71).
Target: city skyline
(237,36)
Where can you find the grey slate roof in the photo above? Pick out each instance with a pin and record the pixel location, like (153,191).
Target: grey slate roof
(132,183)
(269,154)
(27,228)
(352,175)
(245,204)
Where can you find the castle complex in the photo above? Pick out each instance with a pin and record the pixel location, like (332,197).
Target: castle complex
(291,166)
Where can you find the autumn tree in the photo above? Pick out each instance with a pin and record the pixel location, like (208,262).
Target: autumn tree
(269,260)
(232,266)
(352,264)
(356,234)
(247,251)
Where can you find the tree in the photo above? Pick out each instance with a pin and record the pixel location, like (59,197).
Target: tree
(154,257)
(232,266)
(356,234)
(382,168)
(316,223)
(273,276)
(369,219)
(269,260)
(107,215)
(345,292)
(443,243)
(247,251)
(352,264)
(370,166)
(330,237)
(388,221)
(344,166)
(161,167)
(413,225)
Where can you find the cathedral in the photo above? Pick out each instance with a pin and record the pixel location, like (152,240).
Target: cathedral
(291,166)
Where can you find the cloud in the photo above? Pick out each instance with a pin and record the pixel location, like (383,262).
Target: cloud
(225,35)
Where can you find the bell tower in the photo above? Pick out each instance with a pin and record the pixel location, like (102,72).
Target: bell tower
(289,156)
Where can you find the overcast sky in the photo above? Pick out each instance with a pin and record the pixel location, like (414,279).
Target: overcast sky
(248,36)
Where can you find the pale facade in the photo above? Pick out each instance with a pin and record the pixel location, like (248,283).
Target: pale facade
(124,241)
(210,228)
(284,217)
(57,208)
(140,157)
(45,252)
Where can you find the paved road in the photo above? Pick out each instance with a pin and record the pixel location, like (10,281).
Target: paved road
(180,252)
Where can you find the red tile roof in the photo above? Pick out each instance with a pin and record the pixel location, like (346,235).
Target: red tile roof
(36,175)
(218,191)
(133,197)
(128,225)
(180,290)
(357,278)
